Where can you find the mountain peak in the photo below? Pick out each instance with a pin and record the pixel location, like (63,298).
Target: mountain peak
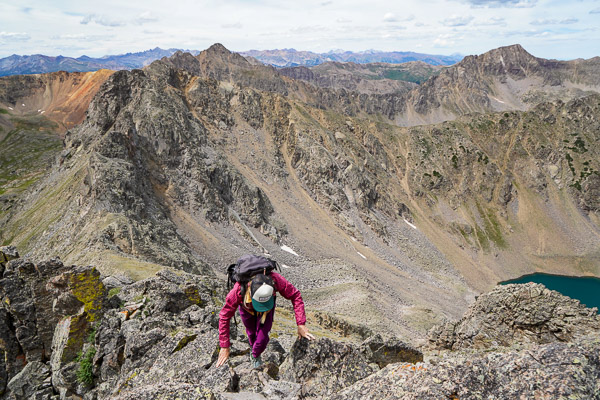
(218,48)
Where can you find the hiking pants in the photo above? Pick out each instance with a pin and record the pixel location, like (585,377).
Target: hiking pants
(258,334)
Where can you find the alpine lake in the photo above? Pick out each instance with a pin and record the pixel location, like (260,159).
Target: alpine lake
(584,289)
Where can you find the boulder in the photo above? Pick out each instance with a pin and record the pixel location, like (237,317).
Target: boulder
(550,371)
(323,366)
(7,253)
(383,352)
(282,390)
(31,379)
(517,314)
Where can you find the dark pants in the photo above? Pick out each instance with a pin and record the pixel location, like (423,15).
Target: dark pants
(258,334)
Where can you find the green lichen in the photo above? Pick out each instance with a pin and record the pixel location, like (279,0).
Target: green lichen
(88,288)
(184,342)
(77,336)
(193,295)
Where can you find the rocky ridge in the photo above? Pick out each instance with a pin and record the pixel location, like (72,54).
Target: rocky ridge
(71,333)
(194,161)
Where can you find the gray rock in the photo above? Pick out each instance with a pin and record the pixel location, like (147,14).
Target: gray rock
(323,366)
(511,314)
(384,352)
(282,390)
(27,382)
(7,253)
(556,370)
(116,281)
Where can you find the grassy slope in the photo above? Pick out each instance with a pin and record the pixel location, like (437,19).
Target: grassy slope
(26,152)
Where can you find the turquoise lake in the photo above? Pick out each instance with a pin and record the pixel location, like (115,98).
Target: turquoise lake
(585,289)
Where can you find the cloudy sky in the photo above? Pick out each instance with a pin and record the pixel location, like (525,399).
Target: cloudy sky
(546,28)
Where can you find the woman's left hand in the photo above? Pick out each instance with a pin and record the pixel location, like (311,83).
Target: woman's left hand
(303,333)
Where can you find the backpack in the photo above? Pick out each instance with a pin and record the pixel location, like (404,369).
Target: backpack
(246,267)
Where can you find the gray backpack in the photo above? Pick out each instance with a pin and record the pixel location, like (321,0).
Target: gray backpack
(246,267)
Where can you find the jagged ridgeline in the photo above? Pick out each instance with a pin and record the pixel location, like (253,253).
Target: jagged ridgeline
(195,160)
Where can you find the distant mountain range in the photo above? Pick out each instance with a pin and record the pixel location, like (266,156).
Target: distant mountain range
(293,58)
(38,63)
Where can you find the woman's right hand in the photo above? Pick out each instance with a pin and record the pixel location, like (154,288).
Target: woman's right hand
(223,356)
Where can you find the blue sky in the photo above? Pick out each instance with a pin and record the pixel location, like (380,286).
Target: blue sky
(549,29)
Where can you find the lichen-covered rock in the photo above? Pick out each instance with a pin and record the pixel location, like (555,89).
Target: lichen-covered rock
(282,390)
(525,313)
(323,366)
(551,371)
(384,352)
(30,380)
(7,253)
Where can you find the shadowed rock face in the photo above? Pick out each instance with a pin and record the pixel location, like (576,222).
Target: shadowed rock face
(159,336)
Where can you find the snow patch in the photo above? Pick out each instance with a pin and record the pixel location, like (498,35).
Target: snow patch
(23,104)
(43,112)
(285,266)
(289,250)
(498,100)
(362,255)
(409,224)
(10,108)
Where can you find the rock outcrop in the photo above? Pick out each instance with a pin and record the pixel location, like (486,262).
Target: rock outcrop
(525,314)
(551,371)
(518,341)
(63,336)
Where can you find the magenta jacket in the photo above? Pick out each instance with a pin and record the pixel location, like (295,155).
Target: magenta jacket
(234,299)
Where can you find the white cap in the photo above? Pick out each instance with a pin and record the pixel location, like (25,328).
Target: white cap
(263,293)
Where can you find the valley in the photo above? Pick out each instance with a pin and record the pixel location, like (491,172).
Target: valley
(402,201)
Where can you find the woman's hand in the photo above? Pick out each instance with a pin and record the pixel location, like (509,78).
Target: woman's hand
(303,332)
(223,356)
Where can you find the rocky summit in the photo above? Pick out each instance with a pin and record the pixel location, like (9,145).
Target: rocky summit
(69,332)
(393,197)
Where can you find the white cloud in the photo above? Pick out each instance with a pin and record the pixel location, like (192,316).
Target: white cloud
(457,20)
(236,25)
(503,3)
(101,20)
(81,37)
(443,41)
(494,21)
(145,17)
(595,11)
(554,21)
(389,17)
(14,36)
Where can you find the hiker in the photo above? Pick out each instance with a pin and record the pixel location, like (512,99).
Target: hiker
(255,296)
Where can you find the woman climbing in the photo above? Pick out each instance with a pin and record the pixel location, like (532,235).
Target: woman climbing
(255,297)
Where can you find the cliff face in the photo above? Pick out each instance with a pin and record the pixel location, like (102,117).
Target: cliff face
(61,97)
(194,161)
(507,78)
(70,332)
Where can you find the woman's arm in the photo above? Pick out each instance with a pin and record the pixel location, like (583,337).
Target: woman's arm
(232,301)
(290,292)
